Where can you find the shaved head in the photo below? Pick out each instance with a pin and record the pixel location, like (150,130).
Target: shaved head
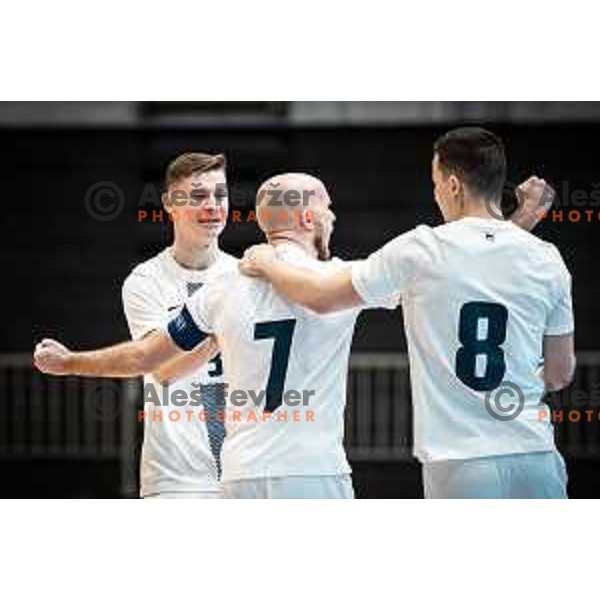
(282,198)
(296,204)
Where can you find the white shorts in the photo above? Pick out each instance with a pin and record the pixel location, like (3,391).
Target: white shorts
(301,487)
(216,495)
(528,475)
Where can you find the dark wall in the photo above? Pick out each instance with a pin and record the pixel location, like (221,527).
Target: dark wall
(63,269)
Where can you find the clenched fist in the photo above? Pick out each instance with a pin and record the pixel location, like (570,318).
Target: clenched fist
(52,358)
(257,259)
(535,200)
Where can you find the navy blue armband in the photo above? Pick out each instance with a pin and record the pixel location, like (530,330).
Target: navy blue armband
(184,331)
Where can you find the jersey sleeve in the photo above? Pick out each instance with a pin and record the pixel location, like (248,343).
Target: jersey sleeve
(195,321)
(387,274)
(389,302)
(142,305)
(560,318)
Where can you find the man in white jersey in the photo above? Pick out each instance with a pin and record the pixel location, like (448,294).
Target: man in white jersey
(180,459)
(484,302)
(285,367)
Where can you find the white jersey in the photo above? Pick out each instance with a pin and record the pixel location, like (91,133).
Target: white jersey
(177,455)
(286,361)
(478,296)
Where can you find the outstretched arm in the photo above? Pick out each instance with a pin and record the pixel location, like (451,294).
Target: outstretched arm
(319,293)
(129,359)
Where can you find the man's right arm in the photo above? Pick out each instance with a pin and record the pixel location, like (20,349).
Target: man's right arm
(315,291)
(129,359)
(378,281)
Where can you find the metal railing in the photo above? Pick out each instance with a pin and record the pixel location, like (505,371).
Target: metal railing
(379,415)
(62,416)
(59,417)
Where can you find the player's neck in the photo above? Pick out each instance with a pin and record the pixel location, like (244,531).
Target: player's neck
(477,208)
(288,237)
(193,257)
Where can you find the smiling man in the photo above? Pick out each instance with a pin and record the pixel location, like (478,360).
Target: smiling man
(269,346)
(181,459)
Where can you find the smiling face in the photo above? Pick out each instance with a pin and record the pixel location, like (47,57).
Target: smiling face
(198,206)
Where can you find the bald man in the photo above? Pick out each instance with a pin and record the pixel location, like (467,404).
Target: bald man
(285,367)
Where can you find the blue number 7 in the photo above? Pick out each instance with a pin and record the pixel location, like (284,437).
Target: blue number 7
(281,332)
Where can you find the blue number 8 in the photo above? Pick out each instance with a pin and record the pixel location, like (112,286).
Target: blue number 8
(470,315)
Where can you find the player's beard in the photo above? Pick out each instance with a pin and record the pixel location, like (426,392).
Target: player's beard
(321,242)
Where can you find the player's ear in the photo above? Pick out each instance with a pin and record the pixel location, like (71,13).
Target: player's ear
(307,219)
(454,185)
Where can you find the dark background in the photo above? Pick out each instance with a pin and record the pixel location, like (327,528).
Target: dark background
(64,269)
